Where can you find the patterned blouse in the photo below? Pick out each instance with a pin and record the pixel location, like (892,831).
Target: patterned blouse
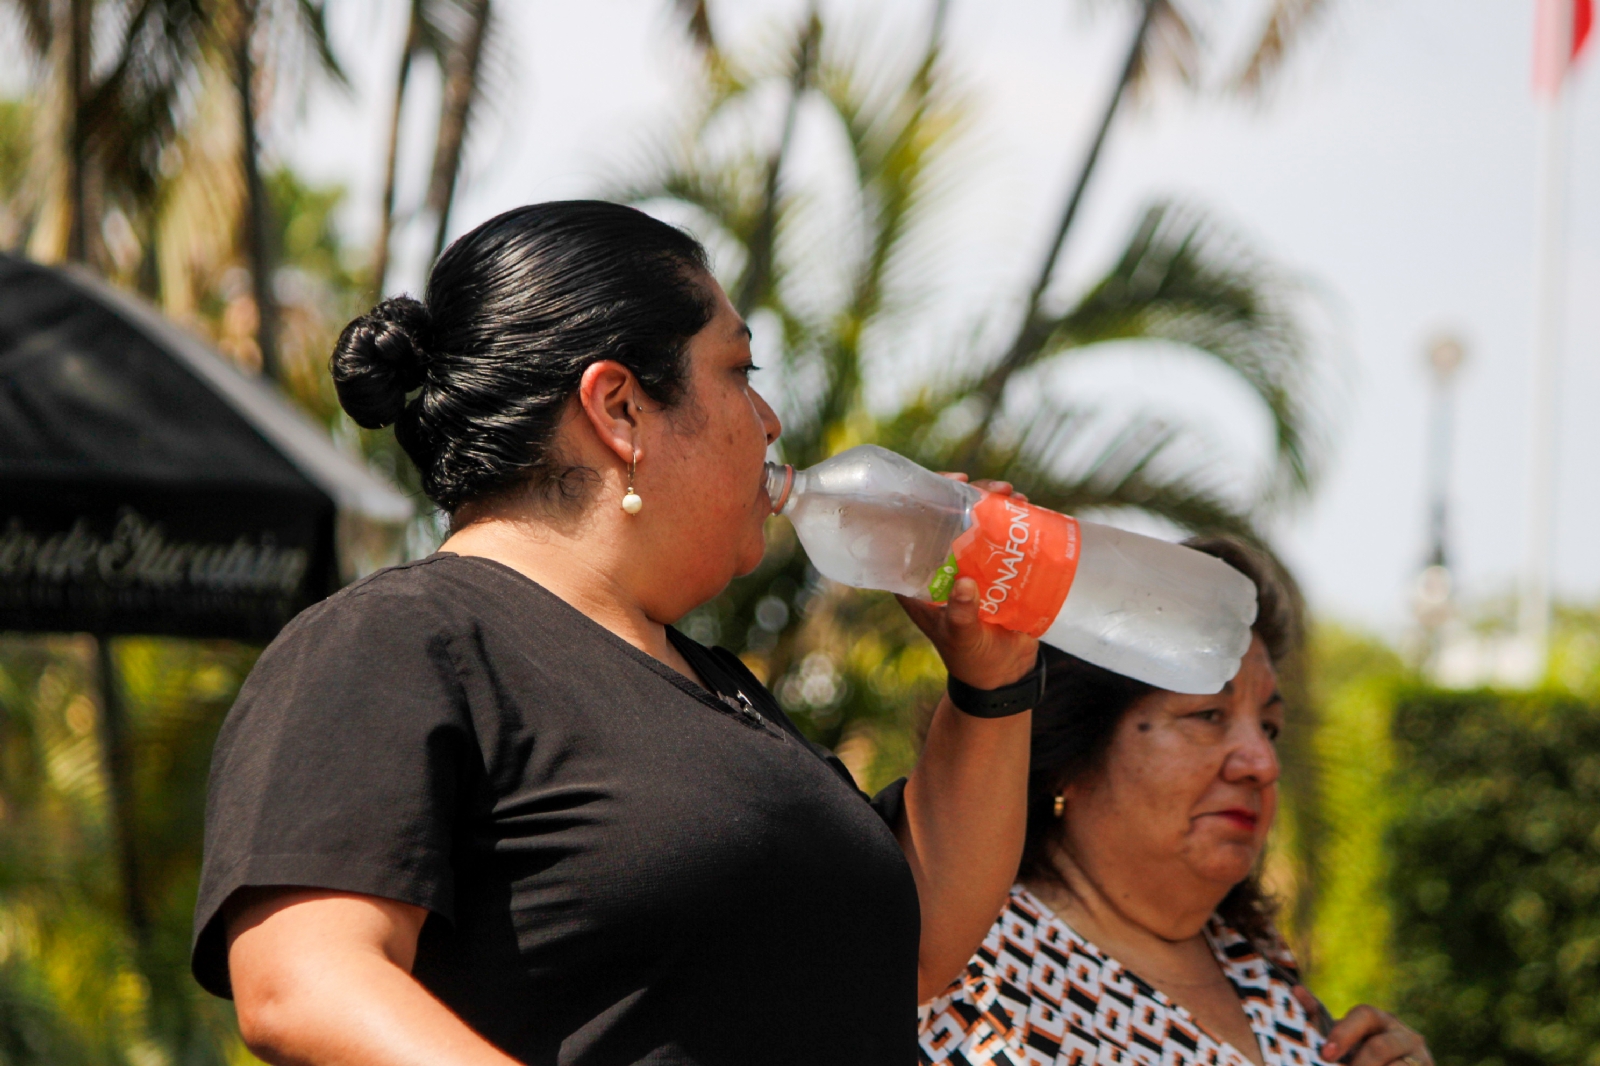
(1038,994)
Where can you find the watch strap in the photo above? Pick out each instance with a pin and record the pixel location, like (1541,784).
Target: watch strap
(1003,702)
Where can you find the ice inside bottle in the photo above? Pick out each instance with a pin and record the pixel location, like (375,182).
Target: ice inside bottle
(1155,611)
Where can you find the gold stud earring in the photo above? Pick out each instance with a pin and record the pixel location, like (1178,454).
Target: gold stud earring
(1060,806)
(631,502)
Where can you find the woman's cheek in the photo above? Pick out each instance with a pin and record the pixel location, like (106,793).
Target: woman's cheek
(1269,811)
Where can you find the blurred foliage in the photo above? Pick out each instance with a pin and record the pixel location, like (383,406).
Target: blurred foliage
(78,984)
(1344,932)
(1575,650)
(1457,862)
(1495,879)
(16,132)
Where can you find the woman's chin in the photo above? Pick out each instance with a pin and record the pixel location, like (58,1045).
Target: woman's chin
(1226,864)
(750,557)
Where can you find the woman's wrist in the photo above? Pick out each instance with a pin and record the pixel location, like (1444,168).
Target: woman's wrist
(1001,701)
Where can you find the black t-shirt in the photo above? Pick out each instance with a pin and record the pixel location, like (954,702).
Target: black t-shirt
(621,866)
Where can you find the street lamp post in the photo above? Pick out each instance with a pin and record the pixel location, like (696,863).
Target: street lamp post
(1435,584)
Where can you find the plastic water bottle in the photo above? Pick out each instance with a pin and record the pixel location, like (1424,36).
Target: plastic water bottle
(1155,611)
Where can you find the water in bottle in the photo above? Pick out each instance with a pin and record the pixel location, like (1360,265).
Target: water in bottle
(1155,611)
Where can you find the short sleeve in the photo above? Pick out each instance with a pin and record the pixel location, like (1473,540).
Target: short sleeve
(341,765)
(890,803)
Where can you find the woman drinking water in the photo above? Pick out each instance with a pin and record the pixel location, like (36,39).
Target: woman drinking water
(489,807)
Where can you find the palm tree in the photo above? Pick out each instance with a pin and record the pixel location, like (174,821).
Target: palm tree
(247,27)
(458,35)
(1165,38)
(844,661)
(107,114)
(118,125)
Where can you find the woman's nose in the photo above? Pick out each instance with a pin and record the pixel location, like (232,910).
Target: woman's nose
(769,418)
(1254,758)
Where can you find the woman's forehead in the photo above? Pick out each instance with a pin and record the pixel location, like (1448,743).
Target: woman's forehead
(1256,679)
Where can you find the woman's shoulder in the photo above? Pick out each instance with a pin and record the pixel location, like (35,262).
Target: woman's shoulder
(370,633)
(421,595)
(418,581)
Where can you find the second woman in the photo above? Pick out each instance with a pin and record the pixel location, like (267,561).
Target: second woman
(1138,931)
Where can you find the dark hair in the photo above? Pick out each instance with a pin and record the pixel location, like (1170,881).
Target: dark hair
(1084,704)
(514,312)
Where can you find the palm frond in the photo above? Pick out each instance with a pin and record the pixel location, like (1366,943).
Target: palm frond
(1182,280)
(31,1026)
(135,110)
(898,130)
(742,192)
(696,16)
(1171,49)
(313,17)
(38,25)
(1285,27)
(1070,459)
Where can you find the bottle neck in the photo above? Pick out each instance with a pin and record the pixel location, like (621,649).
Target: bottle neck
(780,485)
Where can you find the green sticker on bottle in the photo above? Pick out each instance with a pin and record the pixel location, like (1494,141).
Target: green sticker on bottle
(944,579)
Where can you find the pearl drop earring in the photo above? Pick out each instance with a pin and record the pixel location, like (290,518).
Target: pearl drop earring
(631,501)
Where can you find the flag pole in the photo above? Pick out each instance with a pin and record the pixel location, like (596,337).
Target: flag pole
(1555,42)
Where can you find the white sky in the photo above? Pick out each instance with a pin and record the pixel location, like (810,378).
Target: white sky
(1395,169)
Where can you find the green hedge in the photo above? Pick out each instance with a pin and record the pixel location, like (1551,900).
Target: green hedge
(1494,876)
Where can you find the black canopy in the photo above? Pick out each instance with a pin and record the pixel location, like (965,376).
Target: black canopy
(147,486)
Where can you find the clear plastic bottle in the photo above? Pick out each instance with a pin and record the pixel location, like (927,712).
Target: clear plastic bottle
(1155,611)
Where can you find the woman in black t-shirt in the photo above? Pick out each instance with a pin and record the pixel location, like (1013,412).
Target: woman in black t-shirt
(489,807)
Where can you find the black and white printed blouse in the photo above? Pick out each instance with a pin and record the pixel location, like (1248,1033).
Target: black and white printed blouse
(1038,994)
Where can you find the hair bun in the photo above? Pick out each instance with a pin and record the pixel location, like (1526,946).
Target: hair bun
(380,357)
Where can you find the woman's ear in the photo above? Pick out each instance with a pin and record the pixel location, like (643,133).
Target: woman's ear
(608,393)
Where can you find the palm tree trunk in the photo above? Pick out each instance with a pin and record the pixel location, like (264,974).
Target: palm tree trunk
(460,92)
(380,257)
(1129,68)
(762,245)
(1035,328)
(79,25)
(116,755)
(258,217)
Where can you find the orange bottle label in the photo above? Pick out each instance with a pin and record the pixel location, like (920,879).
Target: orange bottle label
(1024,559)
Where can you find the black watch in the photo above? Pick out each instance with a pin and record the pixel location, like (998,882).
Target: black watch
(1003,702)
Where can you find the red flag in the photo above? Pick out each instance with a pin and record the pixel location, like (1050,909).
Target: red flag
(1561,29)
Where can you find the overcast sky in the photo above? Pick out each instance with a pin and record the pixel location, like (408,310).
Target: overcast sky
(1395,170)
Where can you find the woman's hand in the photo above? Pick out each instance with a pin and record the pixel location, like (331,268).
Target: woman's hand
(983,655)
(1368,1036)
